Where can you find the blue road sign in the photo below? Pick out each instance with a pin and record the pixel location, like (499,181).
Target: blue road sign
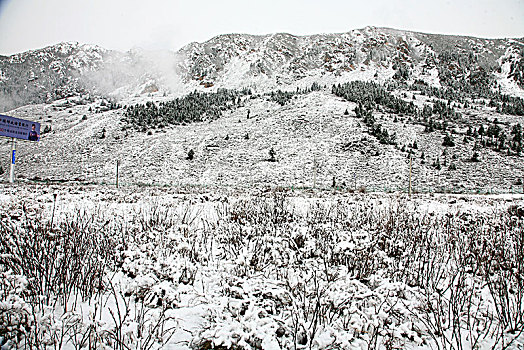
(19,128)
(13,157)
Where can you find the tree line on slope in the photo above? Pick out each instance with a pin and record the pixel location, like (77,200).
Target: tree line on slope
(371,94)
(197,107)
(496,138)
(465,94)
(283,97)
(194,107)
(439,115)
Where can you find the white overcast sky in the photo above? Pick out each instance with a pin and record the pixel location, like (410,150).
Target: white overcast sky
(164,24)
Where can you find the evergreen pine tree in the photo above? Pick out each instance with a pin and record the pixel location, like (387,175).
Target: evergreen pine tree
(437,164)
(481,131)
(272,154)
(190,154)
(448,141)
(502,141)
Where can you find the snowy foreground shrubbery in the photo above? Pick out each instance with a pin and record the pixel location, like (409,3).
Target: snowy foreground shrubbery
(261,272)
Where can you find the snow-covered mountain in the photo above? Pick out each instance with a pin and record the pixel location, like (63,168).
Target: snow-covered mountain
(70,69)
(264,219)
(284,59)
(262,62)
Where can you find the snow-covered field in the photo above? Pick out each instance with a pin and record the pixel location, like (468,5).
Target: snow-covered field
(97,267)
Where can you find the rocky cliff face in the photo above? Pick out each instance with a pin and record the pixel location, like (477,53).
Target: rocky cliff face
(284,59)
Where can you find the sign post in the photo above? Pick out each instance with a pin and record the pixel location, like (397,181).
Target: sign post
(13,161)
(117,164)
(17,128)
(410,170)
(314,172)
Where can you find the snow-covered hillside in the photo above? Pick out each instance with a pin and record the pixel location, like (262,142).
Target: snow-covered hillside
(285,60)
(315,143)
(73,88)
(71,69)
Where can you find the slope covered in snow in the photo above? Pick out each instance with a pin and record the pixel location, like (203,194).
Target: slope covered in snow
(315,142)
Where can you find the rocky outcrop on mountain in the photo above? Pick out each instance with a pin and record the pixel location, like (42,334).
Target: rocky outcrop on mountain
(70,69)
(283,59)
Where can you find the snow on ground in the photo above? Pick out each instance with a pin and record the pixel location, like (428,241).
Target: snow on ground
(251,269)
(509,86)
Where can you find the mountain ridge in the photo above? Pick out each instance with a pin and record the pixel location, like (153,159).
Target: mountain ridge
(261,62)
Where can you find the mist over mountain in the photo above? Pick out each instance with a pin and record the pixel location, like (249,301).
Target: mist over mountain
(262,63)
(70,69)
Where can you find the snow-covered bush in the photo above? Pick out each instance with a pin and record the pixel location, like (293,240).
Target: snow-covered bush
(266,271)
